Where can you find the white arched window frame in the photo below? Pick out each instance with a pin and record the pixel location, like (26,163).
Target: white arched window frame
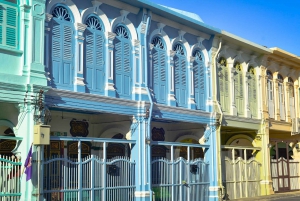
(122,62)
(180,77)
(223,84)
(238,88)
(281,97)
(159,80)
(94,55)
(62,44)
(198,86)
(270,92)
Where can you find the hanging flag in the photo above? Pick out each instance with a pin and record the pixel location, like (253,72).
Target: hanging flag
(27,164)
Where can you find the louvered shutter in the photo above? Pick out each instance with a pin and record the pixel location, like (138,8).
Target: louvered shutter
(199,85)
(99,68)
(1,23)
(118,67)
(94,61)
(11,26)
(8,25)
(270,98)
(252,95)
(89,59)
(127,69)
(177,78)
(159,75)
(240,94)
(292,102)
(56,52)
(226,90)
(183,95)
(281,101)
(67,55)
(163,77)
(180,81)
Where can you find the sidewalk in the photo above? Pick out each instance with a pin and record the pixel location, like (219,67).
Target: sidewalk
(290,196)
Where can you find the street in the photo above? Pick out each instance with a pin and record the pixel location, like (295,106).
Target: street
(290,196)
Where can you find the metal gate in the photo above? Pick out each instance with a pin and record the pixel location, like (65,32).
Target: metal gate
(285,171)
(10,183)
(241,173)
(92,177)
(178,178)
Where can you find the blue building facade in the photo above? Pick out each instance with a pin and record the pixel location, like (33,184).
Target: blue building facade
(130,100)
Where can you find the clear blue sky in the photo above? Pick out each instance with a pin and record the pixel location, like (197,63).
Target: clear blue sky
(272,23)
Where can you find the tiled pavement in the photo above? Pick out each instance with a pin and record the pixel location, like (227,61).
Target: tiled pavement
(290,196)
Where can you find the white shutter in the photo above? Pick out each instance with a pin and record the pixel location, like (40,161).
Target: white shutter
(281,101)
(270,99)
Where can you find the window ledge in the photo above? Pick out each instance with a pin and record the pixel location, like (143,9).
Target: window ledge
(10,50)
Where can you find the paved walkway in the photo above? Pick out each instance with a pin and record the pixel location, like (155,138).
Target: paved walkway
(290,196)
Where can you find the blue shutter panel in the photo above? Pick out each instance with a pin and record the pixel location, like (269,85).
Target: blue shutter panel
(127,69)
(99,74)
(67,55)
(1,23)
(56,52)
(118,67)
(89,58)
(159,76)
(11,27)
(180,81)
(199,85)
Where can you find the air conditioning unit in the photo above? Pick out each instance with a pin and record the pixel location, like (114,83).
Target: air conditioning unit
(295,126)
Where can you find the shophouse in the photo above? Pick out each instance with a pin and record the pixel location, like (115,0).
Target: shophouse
(130,101)
(21,79)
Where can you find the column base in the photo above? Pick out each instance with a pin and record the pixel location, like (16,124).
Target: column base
(142,195)
(215,193)
(266,187)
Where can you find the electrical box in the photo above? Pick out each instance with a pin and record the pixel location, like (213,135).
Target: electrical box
(41,135)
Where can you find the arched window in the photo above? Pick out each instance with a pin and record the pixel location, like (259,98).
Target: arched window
(238,88)
(291,97)
(159,70)
(281,97)
(180,80)
(270,94)
(223,84)
(62,48)
(9,22)
(252,93)
(199,80)
(122,62)
(94,55)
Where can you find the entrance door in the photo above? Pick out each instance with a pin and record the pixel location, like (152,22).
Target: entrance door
(283,167)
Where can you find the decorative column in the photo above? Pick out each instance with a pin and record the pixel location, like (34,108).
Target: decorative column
(210,137)
(171,96)
(36,49)
(24,129)
(79,85)
(140,153)
(109,86)
(47,33)
(191,92)
(24,37)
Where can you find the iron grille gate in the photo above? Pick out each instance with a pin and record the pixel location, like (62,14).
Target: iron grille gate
(92,177)
(10,182)
(241,172)
(177,178)
(284,169)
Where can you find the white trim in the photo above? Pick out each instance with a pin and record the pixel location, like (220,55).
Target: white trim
(142,194)
(75,12)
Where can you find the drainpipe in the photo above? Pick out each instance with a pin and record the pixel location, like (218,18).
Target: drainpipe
(216,102)
(149,96)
